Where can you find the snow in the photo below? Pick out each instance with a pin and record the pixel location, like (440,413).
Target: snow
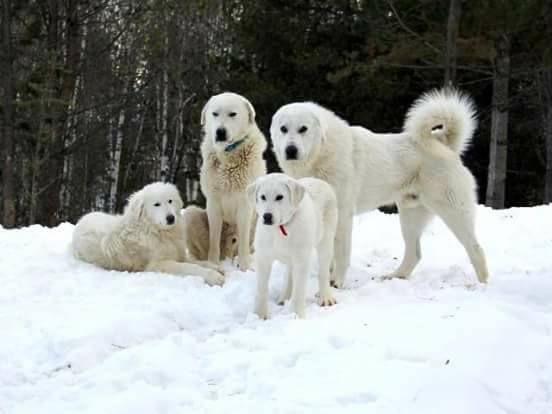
(78,339)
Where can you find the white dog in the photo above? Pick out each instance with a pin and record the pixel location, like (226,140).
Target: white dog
(419,169)
(232,152)
(294,218)
(148,236)
(197,235)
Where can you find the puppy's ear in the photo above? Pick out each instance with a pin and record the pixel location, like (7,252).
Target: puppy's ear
(135,205)
(252,193)
(204,112)
(250,110)
(297,192)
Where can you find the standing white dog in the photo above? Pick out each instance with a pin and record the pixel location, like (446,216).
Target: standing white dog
(419,169)
(294,218)
(232,152)
(149,236)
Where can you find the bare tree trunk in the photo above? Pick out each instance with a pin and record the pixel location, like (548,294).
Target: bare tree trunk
(116,156)
(545,88)
(455,11)
(132,159)
(164,165)
(8,130)
(496,183)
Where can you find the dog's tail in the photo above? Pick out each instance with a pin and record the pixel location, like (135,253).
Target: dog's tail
(445,116)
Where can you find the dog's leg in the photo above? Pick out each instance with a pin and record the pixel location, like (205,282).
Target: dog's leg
(210,276)
(325,257)
(342,247)
(214,216)
(461,221)
(299,275)
(286,293)
(413,222)
(264,268)
(245,213)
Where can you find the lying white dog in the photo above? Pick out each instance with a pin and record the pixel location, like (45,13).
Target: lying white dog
(232,152)
(148,236)
(420,169)
(294,218)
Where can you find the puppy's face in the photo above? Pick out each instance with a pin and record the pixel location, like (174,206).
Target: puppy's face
(226,118)
(296,132)
(276,197)
(160,203)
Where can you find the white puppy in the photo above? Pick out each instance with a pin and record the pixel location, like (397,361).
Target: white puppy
(148,236)
(294,218)
(232,152)
(420,169)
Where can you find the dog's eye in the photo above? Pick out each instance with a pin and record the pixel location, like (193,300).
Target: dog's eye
(170,201)
(157,205)
(263,197)
(215,114)
(303,129)
(284,129)
(232,114)
(279,197)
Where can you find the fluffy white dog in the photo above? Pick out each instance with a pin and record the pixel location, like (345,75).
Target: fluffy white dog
(197,235)
(420,169)
(148,236)
(232,152)
(294,218)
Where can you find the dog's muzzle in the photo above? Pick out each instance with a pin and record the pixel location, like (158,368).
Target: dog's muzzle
(292,152)
(171,219)
(268,219)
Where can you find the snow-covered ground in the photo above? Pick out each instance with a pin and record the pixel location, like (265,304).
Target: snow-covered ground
(77,339)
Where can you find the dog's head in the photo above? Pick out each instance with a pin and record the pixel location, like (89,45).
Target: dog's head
(226,119)
(159,203)
(297,131)
(275,197)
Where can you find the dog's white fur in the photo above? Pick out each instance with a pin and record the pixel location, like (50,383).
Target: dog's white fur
(142,238)
(420,169)
(225,175)
(197,235)
(307,210)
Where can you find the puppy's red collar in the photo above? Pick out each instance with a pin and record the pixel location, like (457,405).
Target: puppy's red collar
(283,230)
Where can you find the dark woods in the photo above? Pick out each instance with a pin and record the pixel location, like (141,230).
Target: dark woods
(98,98)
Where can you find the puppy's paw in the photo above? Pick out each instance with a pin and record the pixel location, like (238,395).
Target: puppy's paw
(326,300)
(338,284)
(213,278)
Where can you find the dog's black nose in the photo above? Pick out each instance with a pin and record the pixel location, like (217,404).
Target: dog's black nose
(170,219)
(291,152)
(267,218)
(220,134)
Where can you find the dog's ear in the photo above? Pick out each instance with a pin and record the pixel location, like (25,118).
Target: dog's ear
(321,125)
(252,193)
(135,205)
(250,110)
(204,112)
(297,191)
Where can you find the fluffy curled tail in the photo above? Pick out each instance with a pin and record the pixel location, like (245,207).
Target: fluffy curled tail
(445,116)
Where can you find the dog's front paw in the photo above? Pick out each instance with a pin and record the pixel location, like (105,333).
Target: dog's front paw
(245,263)
(326,299)
(213,278)
(261,309)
